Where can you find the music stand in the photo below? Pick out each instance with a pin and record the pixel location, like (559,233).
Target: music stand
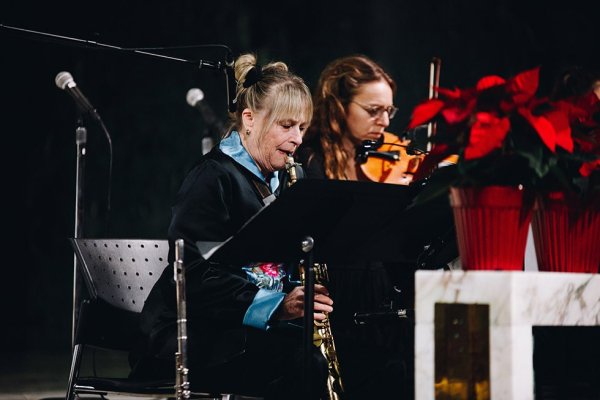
(345,220)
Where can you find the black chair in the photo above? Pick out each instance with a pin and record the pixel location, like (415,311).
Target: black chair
(119,274)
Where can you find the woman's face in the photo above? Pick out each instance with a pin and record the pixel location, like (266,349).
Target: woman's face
(365,115)
(270,149)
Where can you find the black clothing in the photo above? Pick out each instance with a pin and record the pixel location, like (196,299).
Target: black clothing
(216,198)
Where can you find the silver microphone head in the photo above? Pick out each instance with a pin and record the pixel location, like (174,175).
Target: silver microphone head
(194,96)
(64,79)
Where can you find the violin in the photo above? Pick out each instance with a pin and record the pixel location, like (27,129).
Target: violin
(389,159)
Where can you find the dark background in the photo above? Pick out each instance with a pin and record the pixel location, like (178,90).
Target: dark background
(157,136)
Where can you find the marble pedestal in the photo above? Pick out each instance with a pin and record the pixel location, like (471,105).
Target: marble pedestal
(517,301)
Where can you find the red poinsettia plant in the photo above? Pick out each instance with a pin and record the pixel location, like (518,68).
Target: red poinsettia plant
(504,135)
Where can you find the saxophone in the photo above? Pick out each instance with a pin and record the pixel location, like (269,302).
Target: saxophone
(323,339)
(322,335)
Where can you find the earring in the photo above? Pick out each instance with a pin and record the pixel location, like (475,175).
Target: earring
(247,132)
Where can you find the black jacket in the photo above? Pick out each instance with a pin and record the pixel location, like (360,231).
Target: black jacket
(216,198)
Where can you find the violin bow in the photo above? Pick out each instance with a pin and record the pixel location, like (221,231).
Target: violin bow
(434,82)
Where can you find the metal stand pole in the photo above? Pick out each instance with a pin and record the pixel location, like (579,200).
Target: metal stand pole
(80,141)
(309,289)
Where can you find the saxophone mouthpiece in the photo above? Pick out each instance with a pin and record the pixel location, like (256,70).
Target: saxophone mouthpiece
(290,166)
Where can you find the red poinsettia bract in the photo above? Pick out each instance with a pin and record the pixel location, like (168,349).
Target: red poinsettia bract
(485,112)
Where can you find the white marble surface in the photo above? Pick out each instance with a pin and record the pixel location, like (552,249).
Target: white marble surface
(518,300)
(530,260)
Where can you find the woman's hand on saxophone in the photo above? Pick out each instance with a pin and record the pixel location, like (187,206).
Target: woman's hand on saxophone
(293,304)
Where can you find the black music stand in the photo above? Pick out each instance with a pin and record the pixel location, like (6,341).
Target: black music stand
(345,220)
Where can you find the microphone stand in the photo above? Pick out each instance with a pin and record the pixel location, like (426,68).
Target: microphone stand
(307,246)
(80,143)
(226,67)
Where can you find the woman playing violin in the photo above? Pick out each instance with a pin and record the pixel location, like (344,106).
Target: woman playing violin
(353,103)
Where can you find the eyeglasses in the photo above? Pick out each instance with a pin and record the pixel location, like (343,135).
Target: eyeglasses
(377,111)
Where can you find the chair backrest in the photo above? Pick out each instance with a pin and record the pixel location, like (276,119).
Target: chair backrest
(121,271)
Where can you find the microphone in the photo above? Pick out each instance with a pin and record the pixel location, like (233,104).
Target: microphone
(368,148)
(65,81)
(231,84)
(417,138)
(195,99)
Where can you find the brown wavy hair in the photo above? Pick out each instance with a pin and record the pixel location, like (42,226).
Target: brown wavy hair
(338,84)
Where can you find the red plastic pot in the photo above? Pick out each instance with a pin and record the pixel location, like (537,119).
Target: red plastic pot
(491,223)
